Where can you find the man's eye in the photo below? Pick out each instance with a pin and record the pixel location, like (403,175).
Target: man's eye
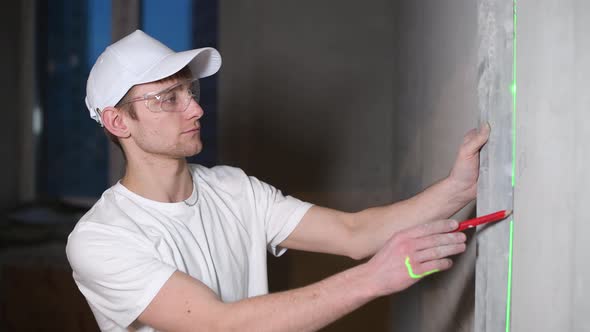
(170,98)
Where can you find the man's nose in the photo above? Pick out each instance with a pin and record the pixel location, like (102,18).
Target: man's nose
(194,109)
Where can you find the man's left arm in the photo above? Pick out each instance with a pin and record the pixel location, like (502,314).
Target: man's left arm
(362,234)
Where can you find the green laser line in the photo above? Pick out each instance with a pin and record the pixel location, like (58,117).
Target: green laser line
(417,276)
(510,240)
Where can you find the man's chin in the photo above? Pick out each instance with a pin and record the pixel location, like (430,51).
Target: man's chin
(194,151)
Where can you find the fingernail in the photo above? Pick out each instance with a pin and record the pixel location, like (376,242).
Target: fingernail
(461,236)
(483,127)
(453,224)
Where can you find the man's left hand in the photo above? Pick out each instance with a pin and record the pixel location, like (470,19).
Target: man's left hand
(465,171)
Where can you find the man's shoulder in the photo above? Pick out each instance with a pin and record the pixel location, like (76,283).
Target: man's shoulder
(221,177)
(218,173)
(108,229)
(109,214)
(106,209)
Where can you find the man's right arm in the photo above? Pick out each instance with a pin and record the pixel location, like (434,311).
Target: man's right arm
(186,304)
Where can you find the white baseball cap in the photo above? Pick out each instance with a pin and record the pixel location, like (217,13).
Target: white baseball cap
(136,59)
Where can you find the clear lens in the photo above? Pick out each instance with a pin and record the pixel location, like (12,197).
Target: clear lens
(175,98)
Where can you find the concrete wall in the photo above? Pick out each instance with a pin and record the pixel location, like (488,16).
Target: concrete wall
(306,95)
(435,93)
(348,105)
(306,104)
(551,275)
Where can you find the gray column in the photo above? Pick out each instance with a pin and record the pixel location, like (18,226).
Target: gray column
(495,58)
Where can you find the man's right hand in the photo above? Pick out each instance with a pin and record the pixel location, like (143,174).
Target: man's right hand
(417,250)
(186,304)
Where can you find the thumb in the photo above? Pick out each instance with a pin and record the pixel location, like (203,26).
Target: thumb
(474,140)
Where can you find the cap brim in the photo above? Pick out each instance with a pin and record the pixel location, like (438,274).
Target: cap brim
(203,62)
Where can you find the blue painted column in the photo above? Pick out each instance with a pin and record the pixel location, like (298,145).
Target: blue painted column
(72,149)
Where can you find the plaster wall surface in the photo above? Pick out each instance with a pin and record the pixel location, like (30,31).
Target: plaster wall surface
(351,105)
(306,104)
(551,249)
(435,94)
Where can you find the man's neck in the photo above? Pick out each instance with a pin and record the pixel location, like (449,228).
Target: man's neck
(162,180)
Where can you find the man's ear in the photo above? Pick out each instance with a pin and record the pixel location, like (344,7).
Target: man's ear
(114,122)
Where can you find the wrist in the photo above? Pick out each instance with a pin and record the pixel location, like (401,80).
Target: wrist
(368,286)
(373,285)
(459,192)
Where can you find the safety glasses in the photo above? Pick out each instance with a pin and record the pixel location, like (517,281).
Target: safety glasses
(175,98)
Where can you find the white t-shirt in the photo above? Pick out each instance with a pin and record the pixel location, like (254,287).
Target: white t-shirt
(126,247)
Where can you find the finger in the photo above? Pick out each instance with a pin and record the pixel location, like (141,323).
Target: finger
(429,267)
(438,240)
(469,135)
(441,226)
(436,253)
(474,140)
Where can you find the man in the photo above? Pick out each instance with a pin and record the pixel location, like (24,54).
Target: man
(181,247)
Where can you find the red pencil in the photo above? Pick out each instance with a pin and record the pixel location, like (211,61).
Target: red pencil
(496,216)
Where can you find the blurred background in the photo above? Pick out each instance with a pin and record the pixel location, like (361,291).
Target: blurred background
(346,104)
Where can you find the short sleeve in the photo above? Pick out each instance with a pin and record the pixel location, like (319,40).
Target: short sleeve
(118,271)
(280,213)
